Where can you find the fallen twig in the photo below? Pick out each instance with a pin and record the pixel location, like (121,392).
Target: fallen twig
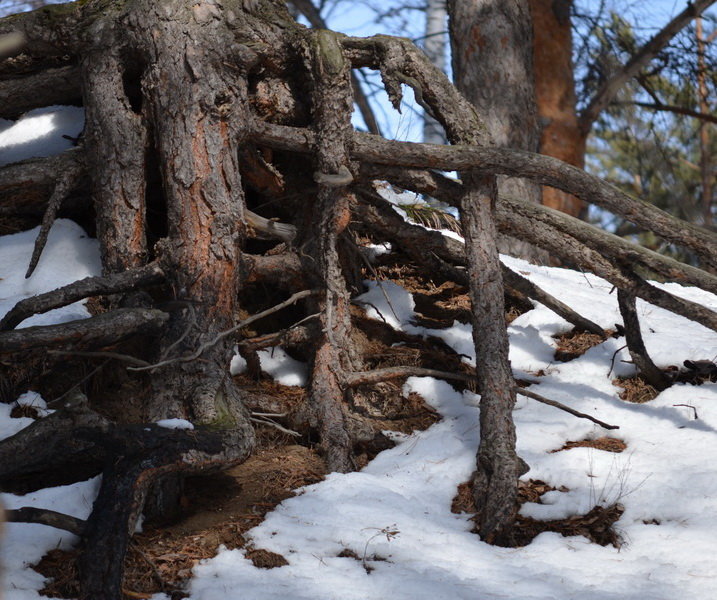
(220,336)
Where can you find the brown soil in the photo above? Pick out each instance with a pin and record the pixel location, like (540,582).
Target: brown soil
(219,509)
(607,444)
(573,344)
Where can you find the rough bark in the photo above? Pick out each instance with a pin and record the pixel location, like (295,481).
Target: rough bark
(492,55)
(560,135)
(331,109)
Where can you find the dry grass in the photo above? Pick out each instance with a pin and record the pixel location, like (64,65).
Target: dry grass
(596,525)
(635,390)
(607,444)
(573,344)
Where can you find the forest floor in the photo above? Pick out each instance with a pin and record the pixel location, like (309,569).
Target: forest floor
(625,514)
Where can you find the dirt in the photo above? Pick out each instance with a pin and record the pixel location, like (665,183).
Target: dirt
(597,525)
(220,509)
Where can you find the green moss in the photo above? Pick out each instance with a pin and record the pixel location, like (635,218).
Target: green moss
(224,418)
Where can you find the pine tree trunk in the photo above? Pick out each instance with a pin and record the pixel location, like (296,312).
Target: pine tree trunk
(561,135)
(491,43)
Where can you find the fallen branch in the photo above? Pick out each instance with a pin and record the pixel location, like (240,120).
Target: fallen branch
(545,170)
(133,360)
(378,375)
(567,409)
(102,330)
(43,516)
(64,185)
(439,251)
(50,87)
(609,245)
(90,286)
(645,367)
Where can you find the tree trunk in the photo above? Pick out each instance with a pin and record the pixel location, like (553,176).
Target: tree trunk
(561,135)
(434,45)
(491,43)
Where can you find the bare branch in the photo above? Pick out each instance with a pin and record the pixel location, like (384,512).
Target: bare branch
(679,110)
(567,409)
(378,375)
(49,31)
(644,55)
(607,244)
(366,377)
(645,367)
(101,330)
(53,86)
(434,249)
(64,185)
(138,362)
(516,163)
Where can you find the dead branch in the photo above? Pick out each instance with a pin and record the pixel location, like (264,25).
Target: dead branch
(53,86)
(545,170)
(273,229)
(64,185)
(607,244)
(378,375)
(645,367)
(573,251)
(567,409)
(434,249)
(44,516)
(78,290)
(102,330)
(49,31)
(39,172)
(138,362)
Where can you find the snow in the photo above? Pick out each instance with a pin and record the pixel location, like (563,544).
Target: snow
(395,513)
(39,133)
(175,424)
(68,256)
(276,363)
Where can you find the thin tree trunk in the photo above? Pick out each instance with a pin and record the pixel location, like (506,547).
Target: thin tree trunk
(706,170)
(434,45)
